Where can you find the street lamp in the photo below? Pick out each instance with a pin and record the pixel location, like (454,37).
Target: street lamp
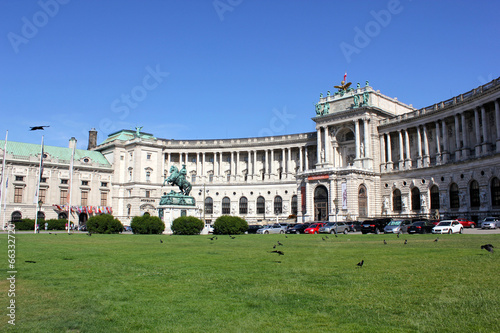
(40,202)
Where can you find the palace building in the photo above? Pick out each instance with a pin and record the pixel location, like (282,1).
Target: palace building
(369,156)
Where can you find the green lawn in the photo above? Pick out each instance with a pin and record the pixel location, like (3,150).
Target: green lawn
(135,283)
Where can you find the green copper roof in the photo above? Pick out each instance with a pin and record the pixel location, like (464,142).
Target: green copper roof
(125,135)
(30,149)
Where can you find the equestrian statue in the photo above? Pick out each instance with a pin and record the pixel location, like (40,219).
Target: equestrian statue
(179,178)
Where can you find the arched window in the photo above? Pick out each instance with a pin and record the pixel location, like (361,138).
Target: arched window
(226,206)
(474,194)
(41,215)
(362,201)
(396,201)
(435,197)
(495,192)
(454,197)
(243,205)
(415,198)
(294,205)
(209,205)
(16,216)
(261,205)
(62,216)
(278,205)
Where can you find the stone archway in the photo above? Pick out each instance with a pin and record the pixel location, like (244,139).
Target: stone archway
(321,203)
(362,201)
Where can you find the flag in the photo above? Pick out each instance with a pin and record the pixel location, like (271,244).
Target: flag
(345,76)
(41,163)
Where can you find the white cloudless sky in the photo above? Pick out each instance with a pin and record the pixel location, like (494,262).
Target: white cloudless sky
(227,68)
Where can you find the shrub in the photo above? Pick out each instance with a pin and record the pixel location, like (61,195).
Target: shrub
(104,224)
(147,225)
(230,225)
(187,225)
(25,224)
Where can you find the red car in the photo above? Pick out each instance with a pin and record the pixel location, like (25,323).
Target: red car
(466,223)
(314,228)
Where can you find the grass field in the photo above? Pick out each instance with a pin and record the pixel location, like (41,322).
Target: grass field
(135,283)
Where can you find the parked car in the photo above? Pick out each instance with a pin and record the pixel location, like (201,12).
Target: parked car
(314,228)
(334,228)
(125,228)
(397,227)
(466,223)
(374,226)
(272,229)
(420,227)
(354,226)
(83,227)
(298,228)
(252,228)
(490,223)
(448,226)
(210,228)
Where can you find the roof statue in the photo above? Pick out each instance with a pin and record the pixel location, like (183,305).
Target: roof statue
(343,86)
(138,131)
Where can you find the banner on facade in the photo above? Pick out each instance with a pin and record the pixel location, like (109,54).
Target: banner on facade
(318,177)
(344,195)
(303,198)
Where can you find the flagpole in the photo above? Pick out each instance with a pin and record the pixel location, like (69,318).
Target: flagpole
(3,195)
(71,183)
(38,187)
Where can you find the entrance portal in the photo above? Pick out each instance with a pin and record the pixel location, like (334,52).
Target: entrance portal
(320,204)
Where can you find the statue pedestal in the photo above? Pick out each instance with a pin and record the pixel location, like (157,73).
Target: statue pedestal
(174,205)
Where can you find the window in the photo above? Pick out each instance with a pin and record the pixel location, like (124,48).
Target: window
(228,177)
(474,194)
(63,197)
(261,203)
(85,183)
(396,201)
(18,195)
(209,205)
(148,193)
(19,178)
(62,216)
(85,198)
(278,205)
(16,216)
(42,195)
(128,210)
(211,178)
(104,198)
(193,178)
(243,205)
(130,175)
(226,206)
(43,180)
(495,192)
(129,192)
(104,184)
(64,181)
(148,156)
(435,197)
(148,176)
(294,205)
(415,198)
(454,198)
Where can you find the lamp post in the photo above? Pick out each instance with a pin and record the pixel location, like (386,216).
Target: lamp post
(39,205)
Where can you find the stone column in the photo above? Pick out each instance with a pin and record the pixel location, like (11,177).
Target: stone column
(477,129)
(497,122)
(237,172)
(318,145)
(458,153)
(327,146)
(446,149)
(401,155)
(266,163)
(272,166)
(367,137)
(407,148)
(254,166)
(382,152)
(419,147)
(484,147)
(289,163)
(203,158)
(466,148)
(427,159)
(301,159)
(438,145)
(389,152)
(306,162)
(356,129)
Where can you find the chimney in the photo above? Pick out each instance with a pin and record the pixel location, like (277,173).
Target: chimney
(72,143)
(92,139)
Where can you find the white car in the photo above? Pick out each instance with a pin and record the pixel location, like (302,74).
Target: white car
(272,229)
(448,227)
(490,223)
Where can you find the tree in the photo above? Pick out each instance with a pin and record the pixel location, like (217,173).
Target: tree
(187,225)
(230,225)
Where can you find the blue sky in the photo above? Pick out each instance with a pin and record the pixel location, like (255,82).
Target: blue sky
(227,68)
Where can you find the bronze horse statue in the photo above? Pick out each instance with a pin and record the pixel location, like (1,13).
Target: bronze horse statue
(179,178)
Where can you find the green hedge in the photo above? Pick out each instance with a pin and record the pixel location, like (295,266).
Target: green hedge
(147,225)
(29,224)
(230,225)
(187,225)
(104,224)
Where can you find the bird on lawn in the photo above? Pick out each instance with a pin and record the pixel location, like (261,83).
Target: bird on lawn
(274,246)
(436,239)
(89,234)
(326,237)
(278,252)
(30,261)
(385,243)
(34,128)
(232,237)
(212,238)
(323,238)
(487,247)
(161,241)
(360,264)
(398,235)
(280,243)
(406,241)
(336,235)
